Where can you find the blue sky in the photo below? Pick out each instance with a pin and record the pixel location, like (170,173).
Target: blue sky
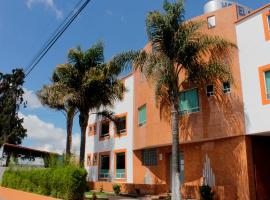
(26,24)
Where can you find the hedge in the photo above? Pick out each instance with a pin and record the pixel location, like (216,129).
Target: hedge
(67,182)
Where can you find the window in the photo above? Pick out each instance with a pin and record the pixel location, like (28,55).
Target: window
(268,22)
(149,157)
(266,25)
(104,166)
(105,128)
(89,160)
(92,129)
(120,164)
(121,125)
(267,84)
(94,163)
(211,21)
(210,90)
(226,87)
(189,101)
(142,115)
(264,77)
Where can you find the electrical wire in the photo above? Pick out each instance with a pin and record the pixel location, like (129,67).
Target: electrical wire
(55,36)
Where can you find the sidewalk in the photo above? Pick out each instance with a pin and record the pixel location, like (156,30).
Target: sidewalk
(10,194)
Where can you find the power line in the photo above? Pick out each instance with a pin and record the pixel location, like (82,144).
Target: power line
(55,36)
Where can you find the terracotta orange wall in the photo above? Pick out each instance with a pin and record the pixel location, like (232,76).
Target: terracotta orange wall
(129,188)
(229,161)
(218,117)
(159,173)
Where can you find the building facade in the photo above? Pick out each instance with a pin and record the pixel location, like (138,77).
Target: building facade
(223,127)
(253,39)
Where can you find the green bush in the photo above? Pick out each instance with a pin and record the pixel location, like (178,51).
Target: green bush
(67,182)
(206,192)
(116,188)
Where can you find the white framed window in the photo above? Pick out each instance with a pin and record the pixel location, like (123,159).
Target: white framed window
(211,21)
(226,87)
(210,90)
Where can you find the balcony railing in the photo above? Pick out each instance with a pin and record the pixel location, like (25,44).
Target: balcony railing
(120,173)
(103,173)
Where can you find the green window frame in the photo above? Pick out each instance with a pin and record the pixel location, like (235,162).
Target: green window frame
(189,101)
(267,83)
(142,115)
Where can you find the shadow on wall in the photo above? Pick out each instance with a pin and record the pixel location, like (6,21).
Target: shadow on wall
(221,115)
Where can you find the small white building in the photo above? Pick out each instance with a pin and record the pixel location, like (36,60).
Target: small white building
(109,152)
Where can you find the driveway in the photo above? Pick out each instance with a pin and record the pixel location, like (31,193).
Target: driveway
(10,194)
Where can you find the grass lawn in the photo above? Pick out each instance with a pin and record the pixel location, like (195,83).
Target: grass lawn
(100,195)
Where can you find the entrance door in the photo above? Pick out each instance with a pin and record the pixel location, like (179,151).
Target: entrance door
(181,170)
(261,163)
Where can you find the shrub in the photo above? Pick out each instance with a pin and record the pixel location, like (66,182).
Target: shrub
(67,182)
(206,192)
(116,188)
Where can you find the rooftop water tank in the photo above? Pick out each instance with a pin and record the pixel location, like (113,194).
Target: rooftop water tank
(214,5)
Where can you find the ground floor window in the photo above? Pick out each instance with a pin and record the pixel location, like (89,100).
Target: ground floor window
(149,157)
(104,166)
(120,162)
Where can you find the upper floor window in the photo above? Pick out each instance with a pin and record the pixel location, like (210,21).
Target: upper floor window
(210,90)
(142,115)
(264,75)
(105,129)
(267,84)
(226,87)
(266,25)
(211,21)
(121,125)
(189,101)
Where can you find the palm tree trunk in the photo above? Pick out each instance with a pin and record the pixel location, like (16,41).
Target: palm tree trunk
(175,152)
(83,120)
(70,116)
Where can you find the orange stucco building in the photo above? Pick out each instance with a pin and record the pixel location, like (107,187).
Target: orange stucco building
(215,141)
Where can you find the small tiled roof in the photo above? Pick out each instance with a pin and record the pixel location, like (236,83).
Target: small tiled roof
(25,148)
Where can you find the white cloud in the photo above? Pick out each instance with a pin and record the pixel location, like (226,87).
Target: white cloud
(45,136)
(50,4)
(30,97)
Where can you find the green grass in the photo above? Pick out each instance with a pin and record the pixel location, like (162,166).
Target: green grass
(100,195)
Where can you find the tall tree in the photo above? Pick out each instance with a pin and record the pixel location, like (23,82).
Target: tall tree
(91,82)
(180,53)
(57,97)
(11,98)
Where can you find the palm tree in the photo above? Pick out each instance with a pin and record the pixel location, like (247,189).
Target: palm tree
(56,96)
(91,82)
(180,53)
